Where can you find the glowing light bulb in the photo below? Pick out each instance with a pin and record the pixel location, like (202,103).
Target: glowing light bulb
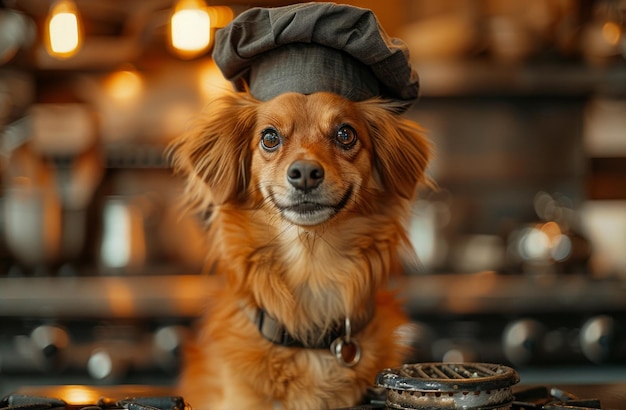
(190,28)
(611,32)
(64,32)
(125,85)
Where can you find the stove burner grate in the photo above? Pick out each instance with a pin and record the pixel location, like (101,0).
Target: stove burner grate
(449,386)
(26,402)
(468,386)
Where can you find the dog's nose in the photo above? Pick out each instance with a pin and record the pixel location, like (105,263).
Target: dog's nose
(305,174)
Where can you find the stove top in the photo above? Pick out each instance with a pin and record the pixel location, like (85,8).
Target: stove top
(23,402)
(585,397)
(526,398)
(74,397)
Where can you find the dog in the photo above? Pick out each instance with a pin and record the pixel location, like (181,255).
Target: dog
(307,198)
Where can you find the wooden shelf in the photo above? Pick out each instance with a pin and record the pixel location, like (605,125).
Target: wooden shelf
(484,78)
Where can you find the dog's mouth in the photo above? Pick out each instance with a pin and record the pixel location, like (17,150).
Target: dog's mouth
(307,210)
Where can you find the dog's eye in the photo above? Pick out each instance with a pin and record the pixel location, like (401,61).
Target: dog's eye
(270,140)
(346,136)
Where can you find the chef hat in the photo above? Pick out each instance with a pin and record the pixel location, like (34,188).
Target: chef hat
(313,47)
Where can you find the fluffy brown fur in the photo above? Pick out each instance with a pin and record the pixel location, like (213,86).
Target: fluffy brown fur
(309,258)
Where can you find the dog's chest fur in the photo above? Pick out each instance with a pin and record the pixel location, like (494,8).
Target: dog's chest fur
(306,279)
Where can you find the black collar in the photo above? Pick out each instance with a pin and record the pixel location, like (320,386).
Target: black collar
(272,330)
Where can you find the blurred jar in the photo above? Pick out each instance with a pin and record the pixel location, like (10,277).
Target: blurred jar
(123,242)
(32,218)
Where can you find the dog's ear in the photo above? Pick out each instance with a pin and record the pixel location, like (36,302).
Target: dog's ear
(401,151)
(215,152)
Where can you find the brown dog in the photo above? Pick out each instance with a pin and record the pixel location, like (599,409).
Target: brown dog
(309,197)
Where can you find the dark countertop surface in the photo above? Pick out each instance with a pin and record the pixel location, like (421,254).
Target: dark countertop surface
(612,396)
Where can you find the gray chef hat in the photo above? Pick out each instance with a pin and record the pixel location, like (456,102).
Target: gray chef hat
(312,47)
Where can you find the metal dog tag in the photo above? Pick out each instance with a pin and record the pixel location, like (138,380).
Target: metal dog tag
(346,351)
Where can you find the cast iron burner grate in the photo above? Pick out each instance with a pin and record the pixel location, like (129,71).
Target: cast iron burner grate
(449,386)
(26,402)
(466,386)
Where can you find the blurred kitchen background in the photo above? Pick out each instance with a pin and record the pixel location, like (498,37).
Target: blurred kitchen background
(523,244)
